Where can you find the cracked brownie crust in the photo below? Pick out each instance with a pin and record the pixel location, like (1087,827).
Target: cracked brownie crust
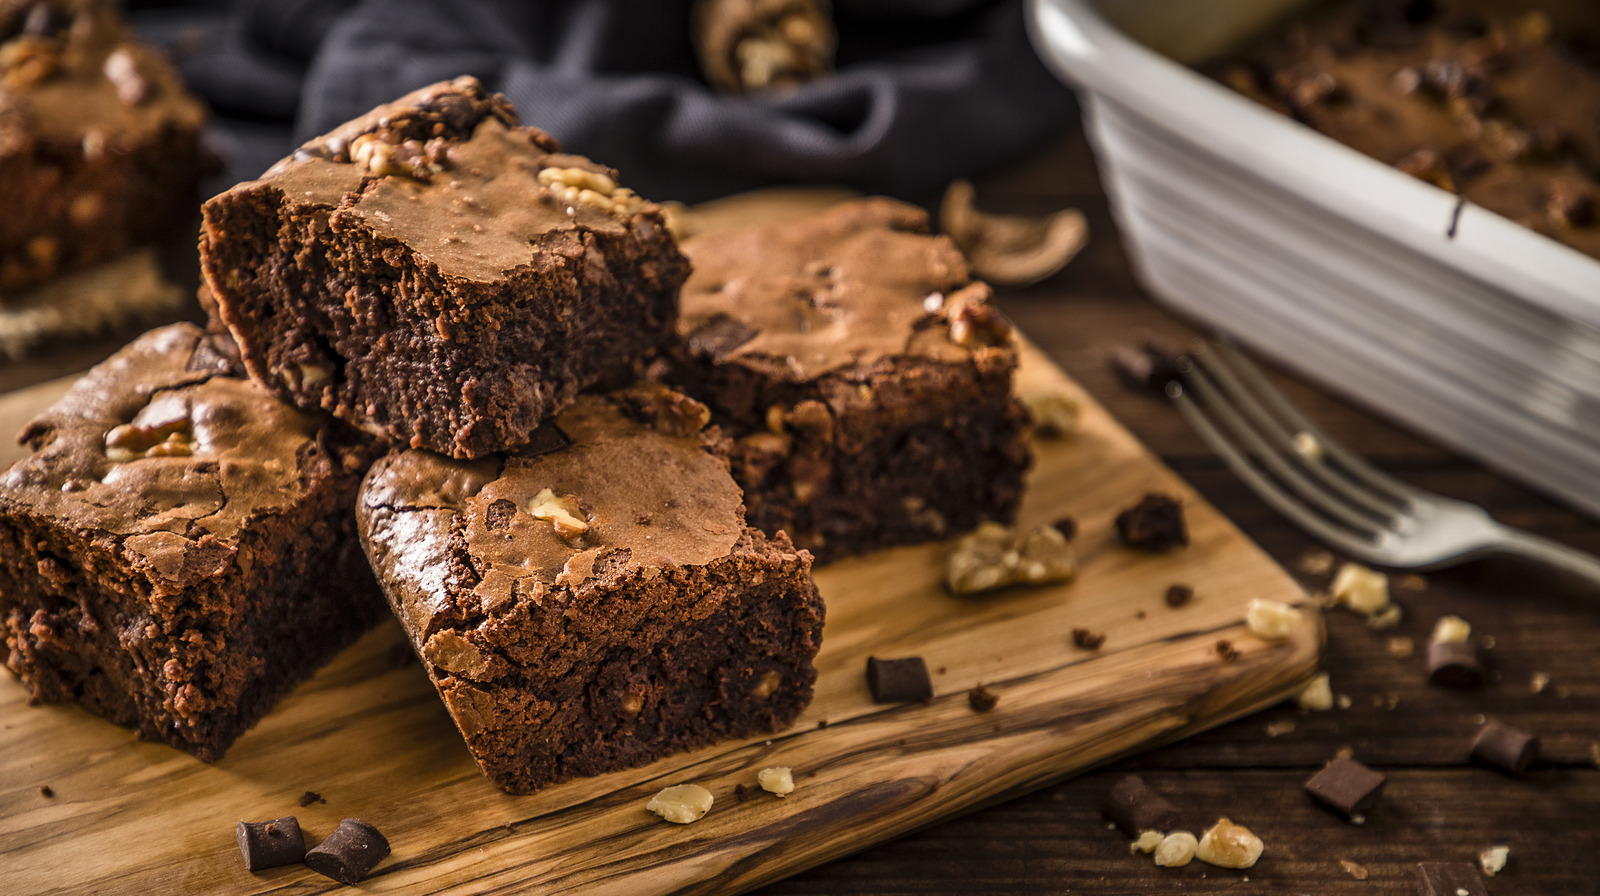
(863,374)
(597,601)
(438,276)
(178,550)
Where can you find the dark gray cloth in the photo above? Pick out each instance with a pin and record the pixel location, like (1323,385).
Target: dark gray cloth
(926,90)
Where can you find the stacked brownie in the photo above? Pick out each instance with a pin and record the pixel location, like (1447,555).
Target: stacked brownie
(178,550)
(577,621)
(99,142)
(438,276)
(863,373)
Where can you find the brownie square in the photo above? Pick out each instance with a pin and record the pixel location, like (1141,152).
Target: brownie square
(595,602)
(437,275)
(99,142)
(865,377)
(179,549)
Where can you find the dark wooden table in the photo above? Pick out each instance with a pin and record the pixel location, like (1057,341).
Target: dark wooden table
(1437,806)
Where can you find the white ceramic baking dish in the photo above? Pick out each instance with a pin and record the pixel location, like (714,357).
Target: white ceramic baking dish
(1329,262)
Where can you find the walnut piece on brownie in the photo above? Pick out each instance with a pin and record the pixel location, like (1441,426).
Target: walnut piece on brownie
(663,623)
(437,275)
(99,142)
(179,549)
(863,374)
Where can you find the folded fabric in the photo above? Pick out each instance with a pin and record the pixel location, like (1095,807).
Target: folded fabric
(924,91)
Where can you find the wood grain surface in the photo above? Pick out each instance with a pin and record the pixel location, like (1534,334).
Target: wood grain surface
(369,735)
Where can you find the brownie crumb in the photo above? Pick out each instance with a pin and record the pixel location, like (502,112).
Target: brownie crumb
(982,699)
(1067,526)
(46,791)
(1155,524)
(1227,651)
(309,797)
(739,792)
(823,723)
(644,518)
(1087,640)
(1178,595)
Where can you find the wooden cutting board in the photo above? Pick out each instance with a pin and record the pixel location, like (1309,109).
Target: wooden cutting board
(369,734)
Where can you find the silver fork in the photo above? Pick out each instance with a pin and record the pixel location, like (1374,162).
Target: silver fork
(1330,492)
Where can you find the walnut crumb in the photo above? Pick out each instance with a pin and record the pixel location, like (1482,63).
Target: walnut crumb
(1147,842)
(1229,845)
(1176,849)
(1493,859)
(681,803)
(1354,869)
(777,780)
(1271,620)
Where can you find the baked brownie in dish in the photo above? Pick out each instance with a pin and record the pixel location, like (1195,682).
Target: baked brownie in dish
(863,374)
(1494,99)
(99,142)
(595,601)
(179,549)
(437,275)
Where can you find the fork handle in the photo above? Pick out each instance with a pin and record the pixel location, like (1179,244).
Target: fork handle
(1543,550)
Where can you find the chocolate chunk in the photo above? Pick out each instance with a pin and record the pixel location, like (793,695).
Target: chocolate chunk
(1505,748)
(719,336)
(1449,879)
(1347,787)
(1455,665)
(1178,595)
(893,681)
(1134,807)
(351,851)
(1155,524)
(982,699)
(1146,368)
(269,844)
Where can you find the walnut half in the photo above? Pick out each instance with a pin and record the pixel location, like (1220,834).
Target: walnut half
(994,556)
(1011,250)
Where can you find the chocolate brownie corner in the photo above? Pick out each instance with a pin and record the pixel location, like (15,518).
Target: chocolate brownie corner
(178,550)
(437,275)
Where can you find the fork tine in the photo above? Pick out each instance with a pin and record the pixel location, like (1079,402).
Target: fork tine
(1347,540)
(1262,403)
(1247,372)
(1285,465)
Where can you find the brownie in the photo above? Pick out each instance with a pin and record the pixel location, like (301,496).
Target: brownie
(863,374)
(437,275)
(99,142)
(179,549)
(1492,99)
(596,601)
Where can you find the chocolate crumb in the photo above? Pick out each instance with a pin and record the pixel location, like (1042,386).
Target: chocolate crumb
(1087,640)
(1134,807)
(1227,651)
(1178,595)
(310,797)
(1067,526)
(822,723)
(1505,748)
(349,853)
(894,681)
(270,844)
(1140,614)
(982,699)
(1155,524)
(46,791)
